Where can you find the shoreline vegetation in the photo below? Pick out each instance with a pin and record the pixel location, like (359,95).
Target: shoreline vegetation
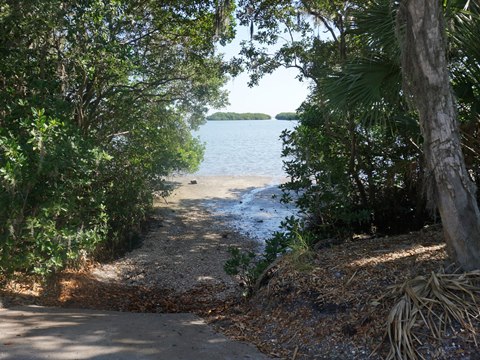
(226,116)
(287,116)
(222,116)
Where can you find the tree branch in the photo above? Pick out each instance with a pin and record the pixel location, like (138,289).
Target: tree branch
(323,20)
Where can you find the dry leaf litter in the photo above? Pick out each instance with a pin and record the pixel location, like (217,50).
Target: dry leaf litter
(334,308)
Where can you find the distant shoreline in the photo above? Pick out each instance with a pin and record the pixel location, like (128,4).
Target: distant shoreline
(259,120)
(233,116)
(238,119)
(224,116)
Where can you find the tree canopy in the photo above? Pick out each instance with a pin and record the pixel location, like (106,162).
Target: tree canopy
(98,99)
(357,160)
(97,102)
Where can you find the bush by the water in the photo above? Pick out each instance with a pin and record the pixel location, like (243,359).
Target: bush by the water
(90,125)
(373,186)
(250,267)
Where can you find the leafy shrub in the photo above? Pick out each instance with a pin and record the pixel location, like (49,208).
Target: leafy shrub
(243,264)
(352,178)
(157,145)
(116,90)
(50,213)
(249,267)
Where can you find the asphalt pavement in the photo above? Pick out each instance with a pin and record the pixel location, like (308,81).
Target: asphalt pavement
(33,332)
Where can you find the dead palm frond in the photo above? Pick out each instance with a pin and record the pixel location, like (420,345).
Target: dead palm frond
(437,302)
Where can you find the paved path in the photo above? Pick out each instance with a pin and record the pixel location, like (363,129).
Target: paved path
(49,333)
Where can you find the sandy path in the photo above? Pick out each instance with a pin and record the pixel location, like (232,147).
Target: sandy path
(187,246)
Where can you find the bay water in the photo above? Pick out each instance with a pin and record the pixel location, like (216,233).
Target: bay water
(248,148)
(243,147)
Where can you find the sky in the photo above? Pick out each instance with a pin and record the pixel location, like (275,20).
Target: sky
(276,92)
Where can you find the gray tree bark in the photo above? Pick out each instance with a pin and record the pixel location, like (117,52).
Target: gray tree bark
(426,77)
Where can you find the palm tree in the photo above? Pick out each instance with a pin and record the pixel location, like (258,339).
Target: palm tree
(377,77)
(425,70)
(426,79)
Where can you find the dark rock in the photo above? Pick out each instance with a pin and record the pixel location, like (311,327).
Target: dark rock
(193,182)
(332,308)
(349,330)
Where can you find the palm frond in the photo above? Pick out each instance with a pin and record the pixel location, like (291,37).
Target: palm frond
(370,86)
(464,39)
(375,23)
(465,59)
(438,302)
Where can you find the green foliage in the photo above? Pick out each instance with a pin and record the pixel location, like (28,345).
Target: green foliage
(238,116)
(249,266)
(287,116)
(243,264)
(130,79)
(464,57)
(51,213)
(355,160)
(352,179)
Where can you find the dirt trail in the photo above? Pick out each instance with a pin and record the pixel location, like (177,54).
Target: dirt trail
(187,245)
(178,268)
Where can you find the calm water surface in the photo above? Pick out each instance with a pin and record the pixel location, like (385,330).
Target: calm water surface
(248,147)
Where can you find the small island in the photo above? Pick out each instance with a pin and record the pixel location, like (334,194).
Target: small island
(286,116)
(219,116)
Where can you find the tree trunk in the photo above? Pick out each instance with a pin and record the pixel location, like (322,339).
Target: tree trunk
(426,77)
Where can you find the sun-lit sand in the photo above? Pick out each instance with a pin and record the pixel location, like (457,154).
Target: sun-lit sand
(249,204)
(215,187)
